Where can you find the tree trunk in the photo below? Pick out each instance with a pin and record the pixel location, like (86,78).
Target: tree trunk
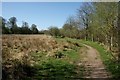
(107,42)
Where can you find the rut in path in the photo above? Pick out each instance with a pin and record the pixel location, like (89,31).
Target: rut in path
(94,67)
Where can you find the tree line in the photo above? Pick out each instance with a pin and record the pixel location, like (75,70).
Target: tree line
(11,27)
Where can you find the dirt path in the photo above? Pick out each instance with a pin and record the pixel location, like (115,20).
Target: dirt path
(94,68)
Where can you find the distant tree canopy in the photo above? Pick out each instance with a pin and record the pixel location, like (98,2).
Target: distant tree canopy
(34,29)
(11,27)
(25,28)
(54,31)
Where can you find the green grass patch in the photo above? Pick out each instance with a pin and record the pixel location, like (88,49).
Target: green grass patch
(58,68)
(73,51)
(55,69)
(72,54)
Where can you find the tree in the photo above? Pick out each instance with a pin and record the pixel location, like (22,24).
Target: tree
(25,28)
(5,30)
(34,29)
(66,30)
(54,31)
(13,21)
(71,28)
(83,14)
(13,25)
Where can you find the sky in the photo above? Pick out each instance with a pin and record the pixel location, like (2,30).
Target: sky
(43,14)
(46,0)
(60,0)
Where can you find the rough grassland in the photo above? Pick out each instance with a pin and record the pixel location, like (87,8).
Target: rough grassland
(40,57)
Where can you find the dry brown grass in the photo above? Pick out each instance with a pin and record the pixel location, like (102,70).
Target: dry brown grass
(17,48)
